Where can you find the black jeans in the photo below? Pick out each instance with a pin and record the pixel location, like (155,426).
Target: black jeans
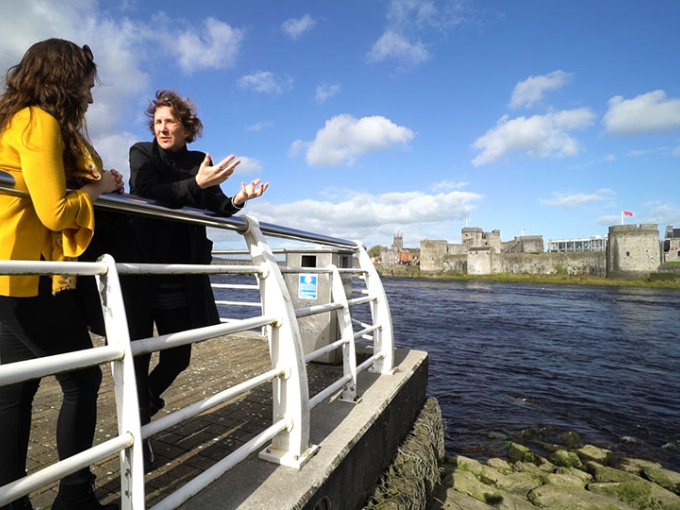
(31,328)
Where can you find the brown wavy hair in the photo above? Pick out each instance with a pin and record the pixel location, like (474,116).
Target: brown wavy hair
(51,76)
(182,109)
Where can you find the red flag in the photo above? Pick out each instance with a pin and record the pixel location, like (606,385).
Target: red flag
(627,213)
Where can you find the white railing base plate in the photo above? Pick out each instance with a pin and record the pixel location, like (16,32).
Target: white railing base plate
(284,458)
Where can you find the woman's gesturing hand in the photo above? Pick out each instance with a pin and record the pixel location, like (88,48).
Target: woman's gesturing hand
(212,175)
(249,191)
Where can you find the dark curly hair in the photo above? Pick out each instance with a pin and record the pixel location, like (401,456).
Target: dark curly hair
(51,76)
(182,109)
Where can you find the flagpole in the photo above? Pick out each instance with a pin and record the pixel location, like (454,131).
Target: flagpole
(621,217)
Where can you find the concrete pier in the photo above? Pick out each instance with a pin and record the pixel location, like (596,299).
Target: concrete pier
(356,441)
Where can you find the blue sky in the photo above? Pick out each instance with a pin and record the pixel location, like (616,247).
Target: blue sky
(373,116)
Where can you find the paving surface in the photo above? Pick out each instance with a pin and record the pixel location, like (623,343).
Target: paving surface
(186,449)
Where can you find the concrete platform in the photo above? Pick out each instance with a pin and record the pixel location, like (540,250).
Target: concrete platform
(356,440)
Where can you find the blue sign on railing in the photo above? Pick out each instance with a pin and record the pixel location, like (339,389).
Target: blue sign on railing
(308,286)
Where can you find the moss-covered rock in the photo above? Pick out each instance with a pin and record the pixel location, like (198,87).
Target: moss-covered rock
(589,453)
(640,494)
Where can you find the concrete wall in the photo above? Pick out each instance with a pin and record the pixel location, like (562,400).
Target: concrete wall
(590,263)
(633,250)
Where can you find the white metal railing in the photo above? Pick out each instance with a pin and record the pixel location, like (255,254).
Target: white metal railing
(286,441)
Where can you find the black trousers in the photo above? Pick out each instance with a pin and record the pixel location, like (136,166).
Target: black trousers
(31,328)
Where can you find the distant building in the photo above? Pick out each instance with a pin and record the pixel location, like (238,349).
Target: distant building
(397,254)
(597,243)
(627,251)
(671,244)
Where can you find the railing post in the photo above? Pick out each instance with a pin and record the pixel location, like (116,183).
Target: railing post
(383,338)
(349,355)
(125,386)
(290,393)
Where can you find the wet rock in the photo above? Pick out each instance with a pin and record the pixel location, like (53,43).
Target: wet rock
(664,477)
(638,494)
(560,497)
(593,453)
(565,458)
(518,452)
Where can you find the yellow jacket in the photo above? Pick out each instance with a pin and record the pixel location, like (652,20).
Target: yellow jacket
(31,150)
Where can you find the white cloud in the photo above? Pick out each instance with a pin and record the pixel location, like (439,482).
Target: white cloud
(216,46)
(573,200)
(676,151)
(529,92)
(248,166)
(266,82)
(447,185)
(122,49)
(344,138)
(259,126)
(325,92)
(114,150)
(294,28)
(372,219)
(646,113)
(538,136)
(392,45)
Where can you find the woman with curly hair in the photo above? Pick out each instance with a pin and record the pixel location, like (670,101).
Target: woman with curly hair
(42,145)
(167,171)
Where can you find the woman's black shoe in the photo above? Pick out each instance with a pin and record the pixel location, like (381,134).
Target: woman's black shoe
(79,497)
(155,403)
(23,503)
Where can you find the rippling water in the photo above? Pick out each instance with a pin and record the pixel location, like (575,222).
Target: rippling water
(506,358)
(600,361)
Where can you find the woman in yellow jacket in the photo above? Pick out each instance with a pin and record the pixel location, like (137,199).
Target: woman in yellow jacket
(42,117)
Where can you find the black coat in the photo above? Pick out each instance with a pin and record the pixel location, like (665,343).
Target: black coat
(169,179)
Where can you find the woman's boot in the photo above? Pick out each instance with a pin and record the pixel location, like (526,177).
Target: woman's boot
(79,496)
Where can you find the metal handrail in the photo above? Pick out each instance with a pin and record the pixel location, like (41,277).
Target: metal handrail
(290,444)
(135,205)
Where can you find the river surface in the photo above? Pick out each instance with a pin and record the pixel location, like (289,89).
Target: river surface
(529,362)
(506,358)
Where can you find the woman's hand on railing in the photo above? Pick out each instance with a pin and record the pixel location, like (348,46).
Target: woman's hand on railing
(111,181)
(212,175)
(249,191)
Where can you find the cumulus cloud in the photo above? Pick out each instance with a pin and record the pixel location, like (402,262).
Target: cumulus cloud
(344,138)
(647,113)
(574,200)
(294,28)
(109,147)
(529,92)
(216,46)
(122,49)
(325,92)
(373,219)
(248,166)
(537,136)
(408,23)
(392,45)
(266,82)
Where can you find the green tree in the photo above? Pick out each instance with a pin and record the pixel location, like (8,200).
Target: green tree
(375,250)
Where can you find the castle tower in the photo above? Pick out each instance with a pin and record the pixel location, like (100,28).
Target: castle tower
(633,250)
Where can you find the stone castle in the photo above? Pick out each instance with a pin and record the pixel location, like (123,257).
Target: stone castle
(628,251)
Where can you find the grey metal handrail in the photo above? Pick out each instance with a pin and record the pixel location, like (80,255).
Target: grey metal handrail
(133,204)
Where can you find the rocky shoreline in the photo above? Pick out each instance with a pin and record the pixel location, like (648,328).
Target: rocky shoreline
(580,478)
(571,476)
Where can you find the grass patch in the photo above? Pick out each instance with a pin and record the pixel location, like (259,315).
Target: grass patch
(564,279)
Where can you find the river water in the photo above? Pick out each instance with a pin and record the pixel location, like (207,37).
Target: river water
(529,362)
(507,358)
